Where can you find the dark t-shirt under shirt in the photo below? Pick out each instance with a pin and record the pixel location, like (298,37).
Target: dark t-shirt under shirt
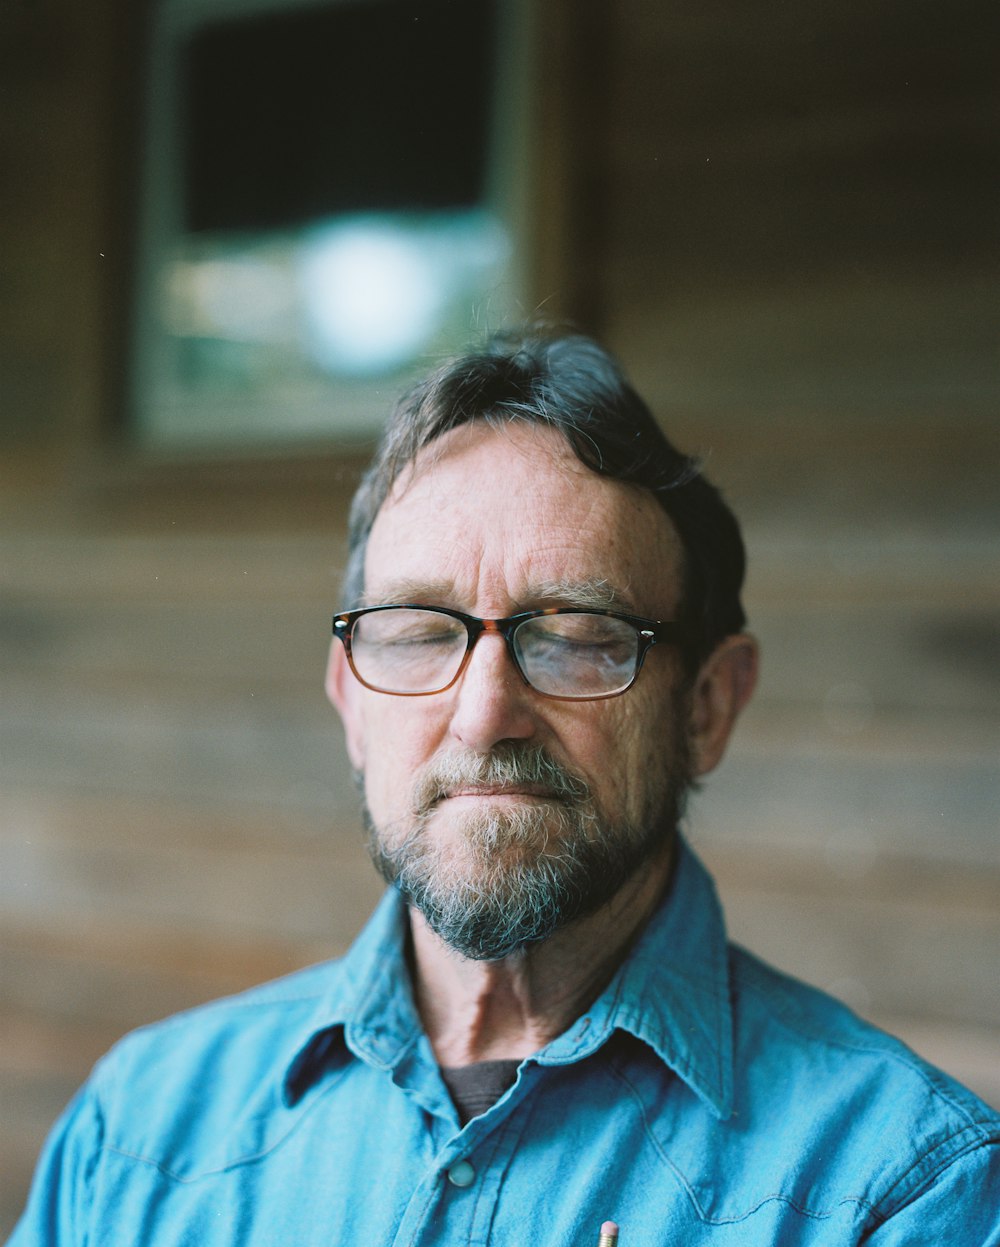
(475,1088)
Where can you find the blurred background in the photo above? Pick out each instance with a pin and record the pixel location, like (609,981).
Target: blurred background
(231,230)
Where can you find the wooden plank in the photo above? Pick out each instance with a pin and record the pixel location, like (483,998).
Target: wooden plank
(93,982)
(889,934)
(89,864)
(170,567)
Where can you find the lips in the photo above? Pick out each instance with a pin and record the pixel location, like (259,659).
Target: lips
(510,774)
(536,791)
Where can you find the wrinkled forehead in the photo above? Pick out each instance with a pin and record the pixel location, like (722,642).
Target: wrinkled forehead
(512,443)
(502,511)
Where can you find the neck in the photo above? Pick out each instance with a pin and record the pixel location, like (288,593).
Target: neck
(494,1010)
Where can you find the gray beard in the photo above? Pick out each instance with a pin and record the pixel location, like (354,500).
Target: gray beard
(527,871)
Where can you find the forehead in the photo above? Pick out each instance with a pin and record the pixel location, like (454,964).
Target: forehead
(492,519)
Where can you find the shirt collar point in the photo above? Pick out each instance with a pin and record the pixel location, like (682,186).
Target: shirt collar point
(679,1004)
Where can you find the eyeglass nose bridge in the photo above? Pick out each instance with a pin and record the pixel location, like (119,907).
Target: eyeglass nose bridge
(505,628)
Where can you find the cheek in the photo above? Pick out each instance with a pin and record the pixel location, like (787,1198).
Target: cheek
(397,747)
(604,750)
(632,761)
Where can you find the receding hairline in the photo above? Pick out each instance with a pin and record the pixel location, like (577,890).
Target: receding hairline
(587,592)
(492,423)
(564,455)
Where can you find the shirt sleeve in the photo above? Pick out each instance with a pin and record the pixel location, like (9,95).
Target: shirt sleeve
(961,1207)
(58,1210)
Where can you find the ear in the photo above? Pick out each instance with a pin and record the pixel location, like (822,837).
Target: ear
(343,691)
(722,688)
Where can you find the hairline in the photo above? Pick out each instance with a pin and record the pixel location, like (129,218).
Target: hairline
(402,468)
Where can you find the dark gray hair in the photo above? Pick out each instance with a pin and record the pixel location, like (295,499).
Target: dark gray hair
(569,383)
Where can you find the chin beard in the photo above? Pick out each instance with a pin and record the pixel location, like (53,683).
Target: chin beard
(518,875)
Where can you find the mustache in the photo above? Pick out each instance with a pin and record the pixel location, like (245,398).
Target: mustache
(506,766)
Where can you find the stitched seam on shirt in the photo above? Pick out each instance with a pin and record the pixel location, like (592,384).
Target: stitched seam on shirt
(499,1136)
(677,1064)
(790,1203)
(787,1016)
(370,1058)
(777,1197)
(376,990)
(93,1161)
(432,1197)
(240,1161)
(586,1043)
(923,1181)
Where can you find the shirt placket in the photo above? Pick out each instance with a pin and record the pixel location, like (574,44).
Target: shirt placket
(457,1198)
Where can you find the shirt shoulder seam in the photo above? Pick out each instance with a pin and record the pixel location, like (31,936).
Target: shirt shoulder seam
(931,1165)
(891,1049)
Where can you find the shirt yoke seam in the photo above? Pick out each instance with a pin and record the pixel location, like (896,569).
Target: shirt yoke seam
(907,1194)
(237,1163)
(696,1204)
(791,1022)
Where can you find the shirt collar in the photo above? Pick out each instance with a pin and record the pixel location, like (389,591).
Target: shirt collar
(671,992)
(368,1004)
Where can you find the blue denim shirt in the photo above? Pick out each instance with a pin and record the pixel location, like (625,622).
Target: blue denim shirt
(702,1099)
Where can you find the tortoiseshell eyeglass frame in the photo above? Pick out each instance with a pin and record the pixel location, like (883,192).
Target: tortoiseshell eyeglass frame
(649,632)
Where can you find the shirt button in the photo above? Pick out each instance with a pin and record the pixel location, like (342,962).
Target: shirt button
(461,1174)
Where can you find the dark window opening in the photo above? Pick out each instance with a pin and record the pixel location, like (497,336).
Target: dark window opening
(295,116)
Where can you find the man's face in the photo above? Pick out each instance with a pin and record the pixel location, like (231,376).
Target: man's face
(489,789)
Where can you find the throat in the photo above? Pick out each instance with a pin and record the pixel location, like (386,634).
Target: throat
(476,1010)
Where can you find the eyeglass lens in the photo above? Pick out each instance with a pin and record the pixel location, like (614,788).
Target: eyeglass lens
(407,650)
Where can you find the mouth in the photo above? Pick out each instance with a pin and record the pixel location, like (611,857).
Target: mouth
(500,792)
(497,783)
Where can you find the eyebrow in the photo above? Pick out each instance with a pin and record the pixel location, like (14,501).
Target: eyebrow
(595,594)
(598,594)
(404,592)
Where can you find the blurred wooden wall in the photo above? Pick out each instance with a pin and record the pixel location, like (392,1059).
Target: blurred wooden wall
(783,222)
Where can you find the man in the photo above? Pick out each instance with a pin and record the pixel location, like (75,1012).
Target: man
(542,1029)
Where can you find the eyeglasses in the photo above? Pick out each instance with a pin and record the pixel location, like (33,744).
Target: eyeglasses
(561,652)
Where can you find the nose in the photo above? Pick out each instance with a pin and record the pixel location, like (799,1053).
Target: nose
(492,703)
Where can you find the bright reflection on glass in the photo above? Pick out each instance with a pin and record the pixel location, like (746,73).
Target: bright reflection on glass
(377,289)
(357,296)
(289,333)
(371,298)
